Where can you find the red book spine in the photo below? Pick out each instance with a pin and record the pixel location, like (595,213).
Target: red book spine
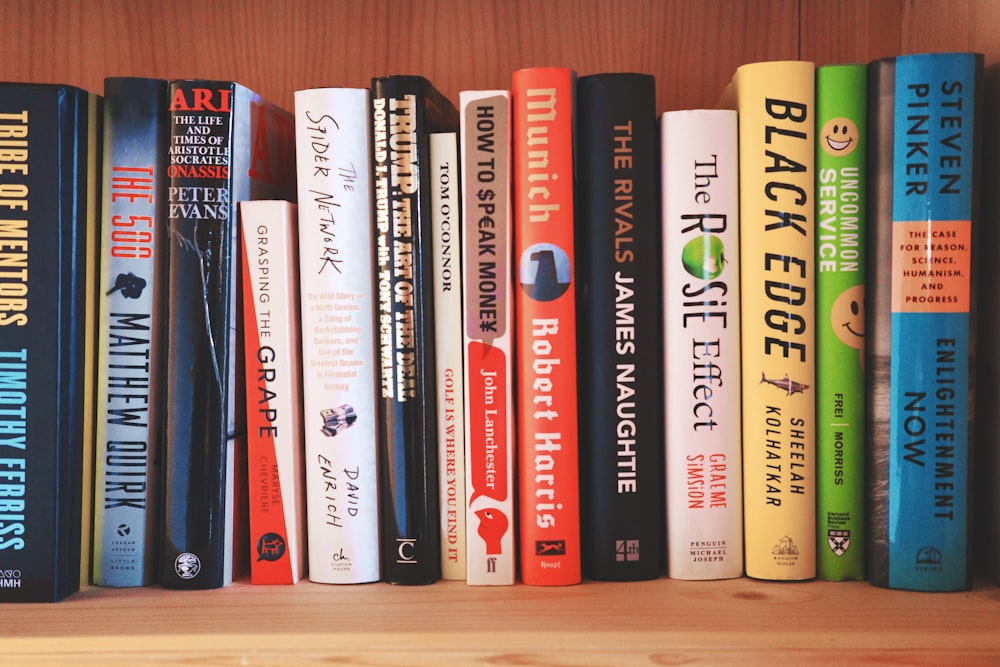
(545,316)
(272,349)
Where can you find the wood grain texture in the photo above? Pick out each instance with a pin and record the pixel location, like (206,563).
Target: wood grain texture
(276,48)
(956,25)
(845,32)
(737,621)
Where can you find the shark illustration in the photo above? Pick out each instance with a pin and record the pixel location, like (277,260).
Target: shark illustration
(788,384)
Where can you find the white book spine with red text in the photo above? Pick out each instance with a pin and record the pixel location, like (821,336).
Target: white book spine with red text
(273,372)
(701,293)
(446,213)
(487,265)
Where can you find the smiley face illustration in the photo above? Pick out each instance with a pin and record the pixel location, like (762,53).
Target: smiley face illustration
(839,137)
(847,316)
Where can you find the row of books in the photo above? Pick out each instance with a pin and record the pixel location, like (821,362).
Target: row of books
(545,333)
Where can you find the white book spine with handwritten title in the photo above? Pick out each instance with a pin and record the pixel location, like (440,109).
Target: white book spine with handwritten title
(333,157)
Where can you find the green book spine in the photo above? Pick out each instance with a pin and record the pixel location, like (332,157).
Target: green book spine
(841,149)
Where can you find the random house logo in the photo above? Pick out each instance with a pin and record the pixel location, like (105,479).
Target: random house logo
(785,552)
(10,578)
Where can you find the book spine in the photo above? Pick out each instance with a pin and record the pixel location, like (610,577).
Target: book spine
(701,344)
(927,109)
(619,328)
(133,235)
(226,146)
(446,217)
(776,104)
(336,240)
(198,474)
(987,458)
(272,349)
(50,146)
(403,115)
(487,263)
(545,309)
(90,184)
(841,150)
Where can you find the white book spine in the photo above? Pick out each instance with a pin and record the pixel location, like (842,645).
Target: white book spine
(487,266)
(446,214)
(702,343)
(273,345)
(333,157)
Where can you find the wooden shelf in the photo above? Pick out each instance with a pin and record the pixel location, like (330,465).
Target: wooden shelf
(660,622)
(692,48)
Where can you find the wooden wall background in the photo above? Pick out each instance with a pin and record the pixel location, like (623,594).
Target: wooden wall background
(279,46)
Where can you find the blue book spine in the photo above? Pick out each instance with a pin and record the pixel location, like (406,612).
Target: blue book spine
(126,491)
(933,198)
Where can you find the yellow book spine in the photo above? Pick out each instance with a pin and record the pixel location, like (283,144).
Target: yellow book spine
(94,107)
(776,105)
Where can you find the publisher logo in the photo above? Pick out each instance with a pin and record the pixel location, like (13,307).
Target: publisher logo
(545,272)
(626,550)
(187,565)
(839,541)
(785,552)
(406,549)
(270,547)
(10,578)
(929,557)
(550,547)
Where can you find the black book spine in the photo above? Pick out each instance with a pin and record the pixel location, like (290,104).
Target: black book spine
(878,310)
(47,249)
(227,145)
(987,454)
(619,333)
(200,253)
(405,110)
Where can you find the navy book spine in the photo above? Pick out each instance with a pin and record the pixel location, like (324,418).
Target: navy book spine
(619,330)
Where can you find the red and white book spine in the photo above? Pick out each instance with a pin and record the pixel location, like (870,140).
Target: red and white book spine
(273,370)
(545,312)
(487,265)
(336,271)
(701,347)
(446,220)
